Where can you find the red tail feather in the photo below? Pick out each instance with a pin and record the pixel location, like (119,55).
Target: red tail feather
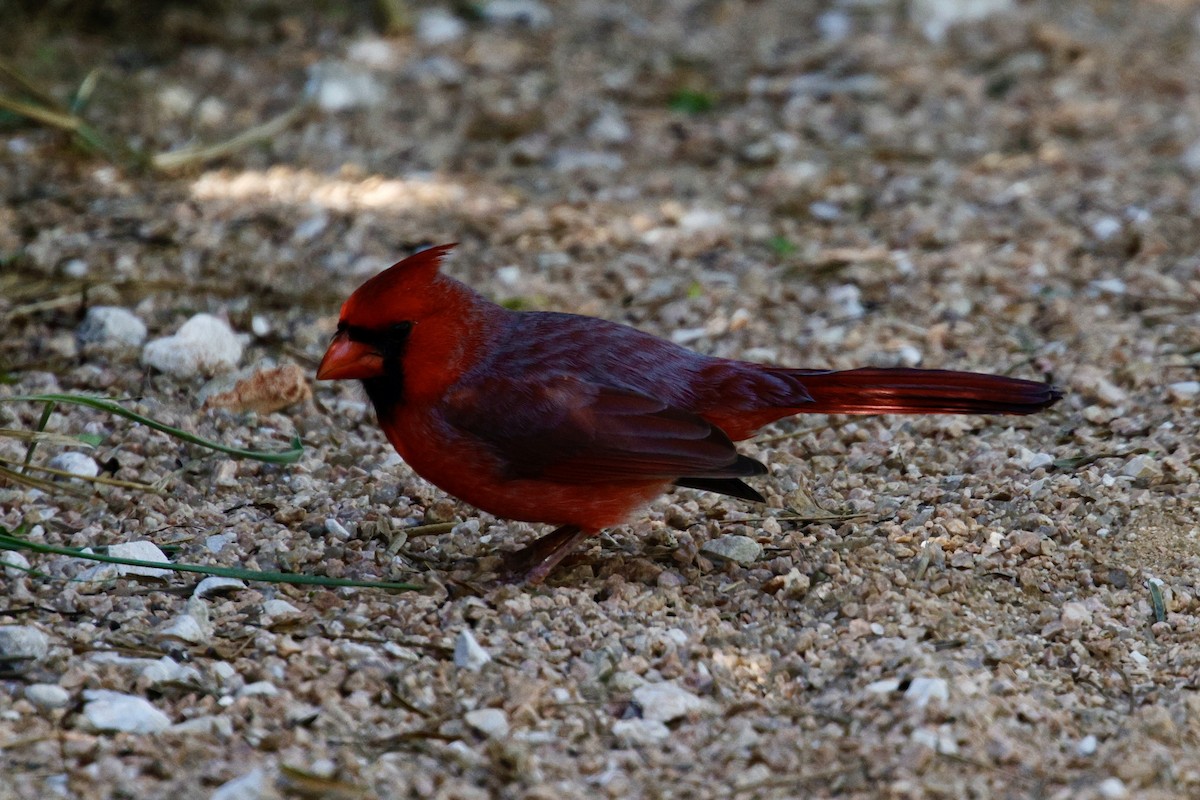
(922,391)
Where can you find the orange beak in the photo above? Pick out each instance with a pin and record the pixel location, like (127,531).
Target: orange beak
(347,359)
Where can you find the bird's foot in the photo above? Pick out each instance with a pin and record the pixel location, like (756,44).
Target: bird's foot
(536,560)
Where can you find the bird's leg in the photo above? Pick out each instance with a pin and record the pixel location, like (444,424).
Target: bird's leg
(536,560)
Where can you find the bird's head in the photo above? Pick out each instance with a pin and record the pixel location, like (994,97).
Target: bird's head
(377,320)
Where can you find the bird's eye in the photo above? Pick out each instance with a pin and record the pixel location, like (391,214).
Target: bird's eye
(400,330)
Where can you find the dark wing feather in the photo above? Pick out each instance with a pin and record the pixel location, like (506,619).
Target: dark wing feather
(563,428)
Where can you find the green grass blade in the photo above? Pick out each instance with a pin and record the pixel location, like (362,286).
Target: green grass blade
(290,456)
(9,542)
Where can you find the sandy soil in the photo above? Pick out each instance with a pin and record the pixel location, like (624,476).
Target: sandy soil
(943,607)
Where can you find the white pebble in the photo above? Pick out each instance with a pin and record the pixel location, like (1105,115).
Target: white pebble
(609,128)
(337,530)
(1087,746)
(76,463)
(739,549)
(141,550)
(923,691)
(108,711)
(375,51)
(491,722)
(1106,228)
(438,26)
(468,653)
(338,87)
(254,785)
(47,696)
(1113,789)
(934,18)
(185,628)
(258,689)
(15,564)
(1075,616)
(1142,467)
(846,301)
(168,670)
(1109,286)
(111,326)
(529,13)
(834,26)
(1184,391)
(510,275)
(204,345)
(75,268)
(667,701)
(276,609)
(701,220)
(640,732)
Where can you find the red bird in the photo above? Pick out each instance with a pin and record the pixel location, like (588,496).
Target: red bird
(580,422)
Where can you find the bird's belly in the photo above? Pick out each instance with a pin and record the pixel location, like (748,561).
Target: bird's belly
(460,467)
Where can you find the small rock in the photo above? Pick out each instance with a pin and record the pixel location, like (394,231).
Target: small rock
(938,741)
(834,26)
(15,564)
(609,128)
(111,327)
(739,549)
(568,160)
(254,785)
(337,530)
(1109,286)
(76,268)
(1190,160)
(667,701)
(1142,467)
(846,301)
(923,691)
(884,686)
(640,732)
(339,87)
(47,696)
(140,550)
(1106,228)
(1075,616)
(258,689)
(468,653)
(491,722)
(529,13)
(113,712)
(1112,789)
(437,26)
(1087,746)
(192,627)
(167,670)
(702,220)
(934,18)
(186,629)
(204,345)
(1031,460)
(76,463)
(1184,391)
(377,52)
(276,610)
(22,643)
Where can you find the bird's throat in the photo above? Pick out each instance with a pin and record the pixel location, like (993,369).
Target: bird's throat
(387,390)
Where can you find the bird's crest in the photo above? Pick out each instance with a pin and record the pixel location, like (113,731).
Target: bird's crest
(403,291)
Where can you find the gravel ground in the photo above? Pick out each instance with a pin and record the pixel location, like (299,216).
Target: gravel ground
(936,607)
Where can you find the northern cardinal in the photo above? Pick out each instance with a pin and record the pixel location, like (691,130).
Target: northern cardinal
(580,422)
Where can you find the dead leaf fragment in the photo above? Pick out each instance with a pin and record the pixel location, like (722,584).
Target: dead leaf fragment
(264,391)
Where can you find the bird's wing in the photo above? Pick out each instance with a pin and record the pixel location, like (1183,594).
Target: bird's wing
(567,429)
